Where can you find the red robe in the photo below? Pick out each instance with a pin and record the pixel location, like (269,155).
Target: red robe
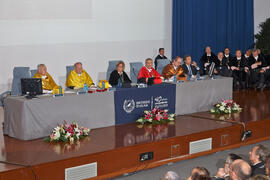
(145,74)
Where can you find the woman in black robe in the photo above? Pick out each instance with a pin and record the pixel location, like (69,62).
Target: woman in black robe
(119,75)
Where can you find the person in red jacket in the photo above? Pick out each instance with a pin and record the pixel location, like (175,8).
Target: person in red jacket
(148,74)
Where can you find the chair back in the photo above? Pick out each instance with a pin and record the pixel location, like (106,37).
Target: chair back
(161,63)
(111,68)
(68,70)
(135,68)
(18,74)
(33,72)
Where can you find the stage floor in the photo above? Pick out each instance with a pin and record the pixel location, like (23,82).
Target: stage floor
(23,157)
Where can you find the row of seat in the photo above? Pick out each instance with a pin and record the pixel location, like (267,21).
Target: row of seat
(25,72)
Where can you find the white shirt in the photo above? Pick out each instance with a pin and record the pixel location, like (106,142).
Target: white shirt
(256,58)
(238,58)
(208,54)
(44,77)
(175,67)
(226,55)
(246,56)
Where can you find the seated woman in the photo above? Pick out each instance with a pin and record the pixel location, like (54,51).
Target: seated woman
(119,75)
(148,74)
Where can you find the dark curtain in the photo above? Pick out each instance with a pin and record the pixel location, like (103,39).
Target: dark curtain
(217,23)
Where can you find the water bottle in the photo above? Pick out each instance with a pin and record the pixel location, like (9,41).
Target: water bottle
(60,90)
(119,85)
(103,85)
(174,78)
(188,77)
(85,88)
(198,75)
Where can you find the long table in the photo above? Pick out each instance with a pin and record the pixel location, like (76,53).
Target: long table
(31,119)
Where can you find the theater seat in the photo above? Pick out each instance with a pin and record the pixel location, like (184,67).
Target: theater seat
(134,70)
(161,63)
(111,67)
(18,74)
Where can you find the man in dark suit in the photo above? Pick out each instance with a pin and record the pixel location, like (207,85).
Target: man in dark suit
(265,74)
(255,65)
(207,58)
(238,66)
(160,56)
(222,67)
(227,56)
(257,157)
(190,69)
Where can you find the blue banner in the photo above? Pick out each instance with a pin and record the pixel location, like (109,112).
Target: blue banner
(130,103)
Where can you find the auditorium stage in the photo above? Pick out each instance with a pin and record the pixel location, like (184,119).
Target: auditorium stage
(117,149)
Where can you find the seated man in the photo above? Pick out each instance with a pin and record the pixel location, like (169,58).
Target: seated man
(190,69)
(47,81)
(240,170)
(238,66)
(148,74)
(257,157)
(206,60)
(222,67)
(265,74)
(119,75)
(78,77)
(254,65)
(160,56)
(174,69)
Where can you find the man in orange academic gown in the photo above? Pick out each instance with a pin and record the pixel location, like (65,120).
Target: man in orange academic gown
(148,74)
(174,69)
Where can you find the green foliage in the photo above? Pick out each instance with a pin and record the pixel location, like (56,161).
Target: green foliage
(263,37)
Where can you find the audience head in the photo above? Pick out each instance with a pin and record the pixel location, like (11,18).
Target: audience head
(240,170)
(42,69)
(120,66)
(258,154)
(187,59)
(267,166)
(78,67)
(255,52)
(220,55)
(229,160)
(170,175)
(259,177)
(149,63)
(199,173)
(161,51)
(226,51)
(177,61)
(208,50)
(238,53)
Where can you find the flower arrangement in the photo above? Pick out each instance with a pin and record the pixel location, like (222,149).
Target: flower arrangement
(226,107)
(156,116)
(67,133)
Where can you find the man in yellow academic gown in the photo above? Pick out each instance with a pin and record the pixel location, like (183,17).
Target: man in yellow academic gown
(78,77)
(47,81)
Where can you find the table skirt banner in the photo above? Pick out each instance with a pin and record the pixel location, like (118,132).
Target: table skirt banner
(35,118)
(130,103)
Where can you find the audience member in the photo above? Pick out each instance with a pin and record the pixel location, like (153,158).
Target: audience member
(257,157)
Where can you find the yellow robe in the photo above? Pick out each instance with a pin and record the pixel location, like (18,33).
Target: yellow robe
(47,83)
(74,80)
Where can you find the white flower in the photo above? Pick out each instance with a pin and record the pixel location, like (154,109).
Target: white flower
(67,135)
(222,108)
(56,135)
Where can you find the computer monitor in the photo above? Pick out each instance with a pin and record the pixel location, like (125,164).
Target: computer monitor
(211,69)
(31,87)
